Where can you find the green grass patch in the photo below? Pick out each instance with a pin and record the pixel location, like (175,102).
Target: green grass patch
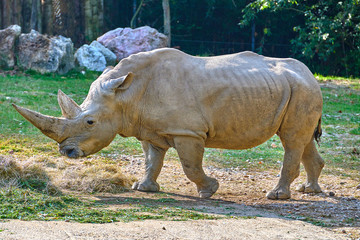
(264,156)
(315,222)
(353,83)
(25,204)
(39,93)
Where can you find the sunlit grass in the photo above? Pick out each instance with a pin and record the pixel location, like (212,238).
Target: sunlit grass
(354,83)
(25,204)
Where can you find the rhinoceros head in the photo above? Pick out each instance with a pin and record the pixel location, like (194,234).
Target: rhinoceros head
(87,128)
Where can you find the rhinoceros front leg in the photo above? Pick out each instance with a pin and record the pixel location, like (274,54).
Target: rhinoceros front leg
(154,158)
(191,152)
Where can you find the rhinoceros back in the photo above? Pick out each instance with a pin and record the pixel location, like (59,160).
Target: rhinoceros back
(233,101)
(244,99)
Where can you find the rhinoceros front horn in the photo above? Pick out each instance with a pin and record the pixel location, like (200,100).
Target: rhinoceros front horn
(52,127)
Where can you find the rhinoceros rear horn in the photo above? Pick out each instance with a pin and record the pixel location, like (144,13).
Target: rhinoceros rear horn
(50,126)
(69,108)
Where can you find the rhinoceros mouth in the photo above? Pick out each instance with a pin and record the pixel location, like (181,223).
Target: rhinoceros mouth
(72,152)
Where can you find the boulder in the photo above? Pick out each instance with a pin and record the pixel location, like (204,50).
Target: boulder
(8,38)
(44,54)
(90,58)
(126,41)
(110,57)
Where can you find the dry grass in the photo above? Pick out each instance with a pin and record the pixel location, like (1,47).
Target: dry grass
(53,175)
(95,178)
(27,174)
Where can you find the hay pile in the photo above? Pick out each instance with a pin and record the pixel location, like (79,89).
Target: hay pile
(52,175)
(25,175)
(99,177)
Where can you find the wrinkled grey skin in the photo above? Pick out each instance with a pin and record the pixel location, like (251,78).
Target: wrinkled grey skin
(166,98)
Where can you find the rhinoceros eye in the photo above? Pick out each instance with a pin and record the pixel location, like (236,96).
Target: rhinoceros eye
(90,122)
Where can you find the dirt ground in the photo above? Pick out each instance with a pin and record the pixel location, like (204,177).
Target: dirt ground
(333,214)
(259,228)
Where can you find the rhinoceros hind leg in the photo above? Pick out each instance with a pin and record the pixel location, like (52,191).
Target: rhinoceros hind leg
(289,171)
(191,152)
(210,190)
(313,164)
(309,188)
(154,158)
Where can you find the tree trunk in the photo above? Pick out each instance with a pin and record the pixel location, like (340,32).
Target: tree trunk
(11,13)
(6,13)
(47,17)
(94,18)
(35,19)
(167,21)
(57,17)
(1,14)
(26,14)
(88,17)
(16,9)
(78,35)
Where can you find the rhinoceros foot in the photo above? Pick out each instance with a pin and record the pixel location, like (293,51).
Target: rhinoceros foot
(146,186)
(278,193)
(309,188)
(210,189)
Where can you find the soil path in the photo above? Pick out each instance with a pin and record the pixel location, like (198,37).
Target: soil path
(258,228)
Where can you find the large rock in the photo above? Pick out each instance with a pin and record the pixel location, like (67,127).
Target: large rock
(90,58)
(8,38)
(110,57)
(126,41)
(45,55)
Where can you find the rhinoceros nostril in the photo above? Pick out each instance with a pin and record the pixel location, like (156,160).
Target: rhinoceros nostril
(71,153)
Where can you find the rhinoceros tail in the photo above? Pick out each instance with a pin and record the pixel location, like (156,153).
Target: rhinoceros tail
(318,132)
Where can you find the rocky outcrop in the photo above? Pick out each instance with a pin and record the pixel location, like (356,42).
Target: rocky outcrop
(90,58)
(110,57)
(126,41)
(8,38)
(45,55)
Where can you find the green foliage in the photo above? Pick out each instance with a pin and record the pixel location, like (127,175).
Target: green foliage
(331,37)
(328,32)
(325,35)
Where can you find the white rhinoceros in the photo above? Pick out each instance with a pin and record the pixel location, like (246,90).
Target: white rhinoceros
(166,98)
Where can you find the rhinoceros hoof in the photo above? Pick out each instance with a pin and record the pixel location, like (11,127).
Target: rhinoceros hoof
(209,191)
(146,186)
(278,194)
(309,188)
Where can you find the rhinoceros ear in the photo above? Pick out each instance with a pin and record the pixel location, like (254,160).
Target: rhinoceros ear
(107,69)
(120,83)
(69,108)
